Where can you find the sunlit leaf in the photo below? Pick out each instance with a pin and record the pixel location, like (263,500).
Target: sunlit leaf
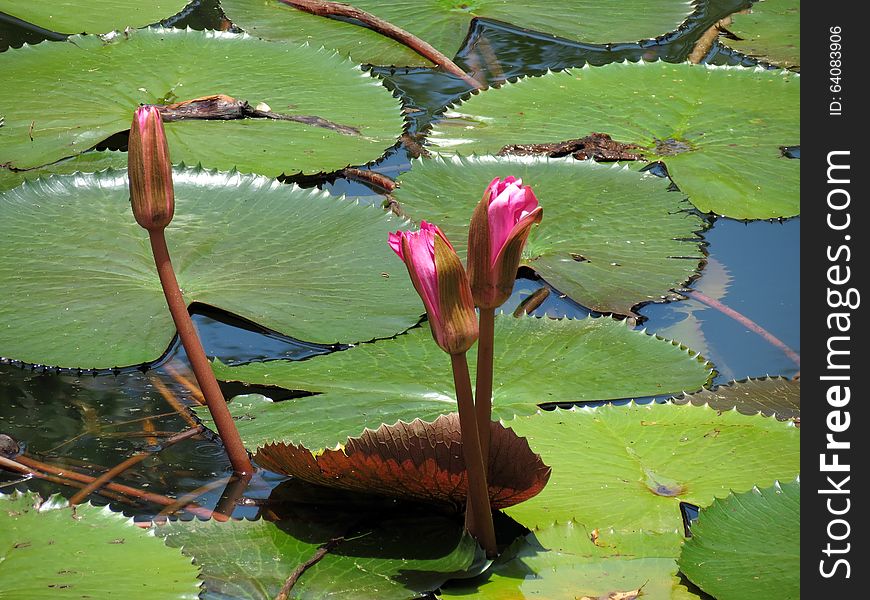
(536,361)
(568,561)
(87,162)
(50,550)
(611,238)
(81,289)
(721,145)
(444,23)
(91,16)
(629,467)
(419,461)
(104,81)
(770,32)
(396,559)
(748,545)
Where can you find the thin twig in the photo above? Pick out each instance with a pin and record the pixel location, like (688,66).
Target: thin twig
(748,323)
(133,460)
(110,426)
(385,28)
(170,398)
(189,497)
(36,467)
(299,571)
(185,381)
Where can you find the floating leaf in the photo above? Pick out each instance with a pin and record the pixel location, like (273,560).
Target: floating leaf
(419,461)
(569,561)
(629,467)
(82,290)
(771,396)
(536,361)
(104,81)
(444,24)
(611,238)
(50,550)
(87,162)
(91,16)
(720,144)
(396,559)
(748,545)
(771,32)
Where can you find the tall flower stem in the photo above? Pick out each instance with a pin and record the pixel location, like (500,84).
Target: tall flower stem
(479,521)
(214,398)
(483,385)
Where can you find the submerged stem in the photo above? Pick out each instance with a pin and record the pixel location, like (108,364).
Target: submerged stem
(479,521)
(214,398)
(483,385)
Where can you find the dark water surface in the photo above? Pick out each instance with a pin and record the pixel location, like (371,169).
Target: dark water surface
(99,420)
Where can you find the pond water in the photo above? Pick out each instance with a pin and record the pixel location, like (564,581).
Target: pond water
(95,420)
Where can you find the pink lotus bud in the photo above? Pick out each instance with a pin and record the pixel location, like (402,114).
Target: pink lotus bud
(149,170)
(439,278)
(499,229)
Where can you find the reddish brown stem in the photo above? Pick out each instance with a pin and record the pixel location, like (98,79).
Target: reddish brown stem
(214,398)
(372,177)
(133,460)
(748,323)
(483,384)
(385,28)
(233,491)
(479,513)
(37,468)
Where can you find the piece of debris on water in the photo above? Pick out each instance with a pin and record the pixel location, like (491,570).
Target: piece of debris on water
(595,146)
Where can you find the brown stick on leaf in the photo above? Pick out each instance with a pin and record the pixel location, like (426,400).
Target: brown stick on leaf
(385,28)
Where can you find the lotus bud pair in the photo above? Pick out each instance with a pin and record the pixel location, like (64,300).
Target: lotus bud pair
(150,170)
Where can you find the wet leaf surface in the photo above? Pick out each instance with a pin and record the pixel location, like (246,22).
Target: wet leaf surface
(104,80)
(609,463)
(91,16)
(719,144)
(748,545)
(51,551)
(445,24)
(416,461)
(394,559)
(409,377)
(771,32)
(300,262)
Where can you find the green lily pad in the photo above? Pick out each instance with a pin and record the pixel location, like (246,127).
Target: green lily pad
(444,23)
(569,562)
(81,289)
(771,396)
(536,361)
(629,467)
(611,238)
(91,16)
(721,145)
(771,32)
(748,545)
(87,162)
(50,550)
(103,82)
(394,560)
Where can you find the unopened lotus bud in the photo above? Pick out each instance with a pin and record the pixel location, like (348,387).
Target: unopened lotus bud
(499,229)
(149,170)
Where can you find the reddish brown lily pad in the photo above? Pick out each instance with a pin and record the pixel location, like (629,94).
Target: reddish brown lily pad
(416,461)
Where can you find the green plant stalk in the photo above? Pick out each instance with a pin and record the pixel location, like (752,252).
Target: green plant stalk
(483,384)
(214,398)
(478,511)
